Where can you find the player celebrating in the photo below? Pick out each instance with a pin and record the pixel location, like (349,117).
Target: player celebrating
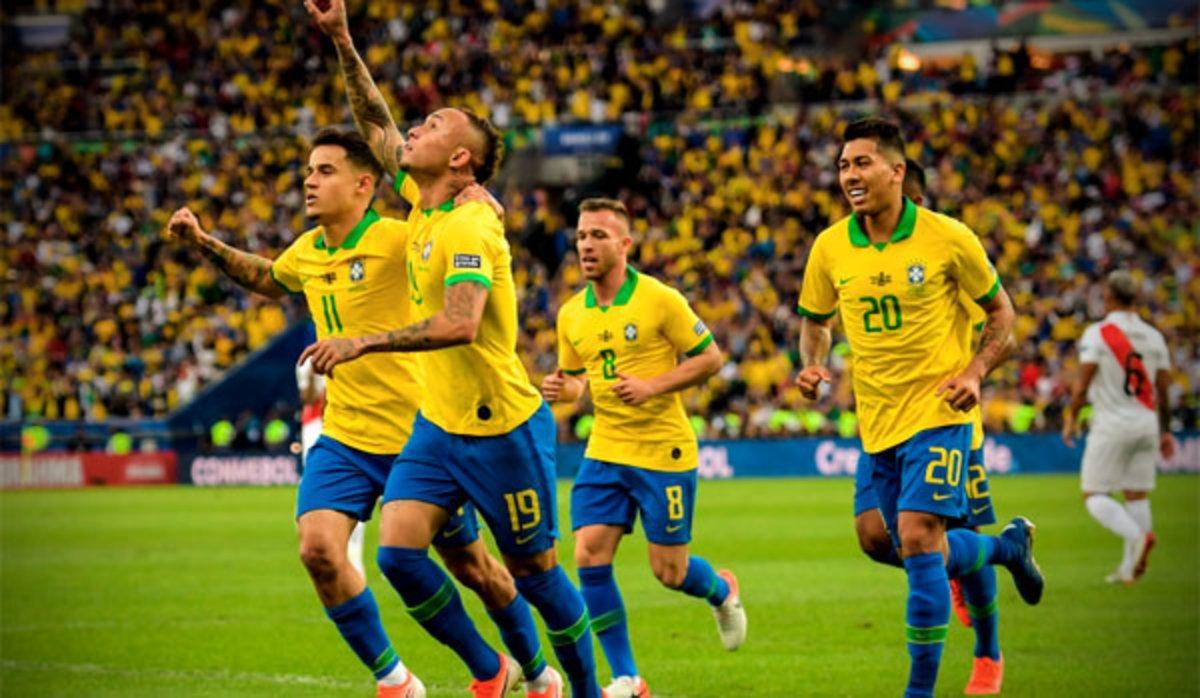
(351,269)
(621,335)
(978,610)
(483,433)
(1130,424)
(893,270)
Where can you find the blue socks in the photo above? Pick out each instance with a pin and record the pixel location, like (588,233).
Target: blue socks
(358,621)
(562,607)
(520,636)
(702,582)
(433,602)
(969,552)
(979,590)
(609,623)
(928,618)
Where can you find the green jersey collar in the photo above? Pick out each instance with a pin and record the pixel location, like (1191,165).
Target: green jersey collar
(398,184)
(355,235)
(447,205)
(623,294)
(904,229)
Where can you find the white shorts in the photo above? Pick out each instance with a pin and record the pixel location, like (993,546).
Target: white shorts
(1119,460)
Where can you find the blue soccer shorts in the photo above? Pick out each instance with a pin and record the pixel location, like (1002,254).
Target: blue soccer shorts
(980,511)
(613,495)
(345,479)
(510,478)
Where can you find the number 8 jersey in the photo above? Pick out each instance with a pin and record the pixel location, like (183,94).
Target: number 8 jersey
(898,303)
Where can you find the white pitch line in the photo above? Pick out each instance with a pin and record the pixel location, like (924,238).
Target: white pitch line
(214,676)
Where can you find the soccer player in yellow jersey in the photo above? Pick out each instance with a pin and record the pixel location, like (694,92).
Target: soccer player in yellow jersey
(978,610)
(622,335)
(351,269)
(483,434)
(893,271)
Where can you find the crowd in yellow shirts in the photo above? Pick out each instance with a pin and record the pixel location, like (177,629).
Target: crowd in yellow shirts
(206,104)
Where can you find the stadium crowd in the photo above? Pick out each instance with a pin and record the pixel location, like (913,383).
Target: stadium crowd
(1071,177)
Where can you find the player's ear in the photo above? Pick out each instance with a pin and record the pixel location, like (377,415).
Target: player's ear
(460,158)
(366,182)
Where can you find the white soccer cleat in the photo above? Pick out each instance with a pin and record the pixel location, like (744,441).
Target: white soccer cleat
(552,689)
(627,687)
(411,688)
(731,617)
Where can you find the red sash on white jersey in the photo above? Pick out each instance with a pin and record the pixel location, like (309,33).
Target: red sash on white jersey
(1137,381)
(312,411)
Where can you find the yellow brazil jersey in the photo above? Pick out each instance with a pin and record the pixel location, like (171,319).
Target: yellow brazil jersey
(898,303)
(642,333)
(481,388)
(357,289)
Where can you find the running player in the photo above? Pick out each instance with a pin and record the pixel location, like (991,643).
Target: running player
(622,335)
(979,588)
(893,270)
(1125,372)
(351,269)
(483,433)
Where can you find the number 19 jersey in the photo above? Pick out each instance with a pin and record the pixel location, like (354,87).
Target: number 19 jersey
(898,303)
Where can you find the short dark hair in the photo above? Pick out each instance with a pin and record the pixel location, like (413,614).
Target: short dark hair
(486,163)
(914,175)
(603,204)
(886,134)
(358,151)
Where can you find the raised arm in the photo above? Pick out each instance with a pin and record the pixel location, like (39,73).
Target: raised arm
(371,114)
(250,271)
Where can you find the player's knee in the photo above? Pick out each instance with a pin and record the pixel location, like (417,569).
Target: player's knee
(873,538)
(921,534)
(590,553)
(320,557)
(669,572)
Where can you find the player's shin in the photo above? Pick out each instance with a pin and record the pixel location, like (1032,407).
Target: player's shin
(520,636)
(562,608)
(609,622)
(979,589)
(927,617)
(359,623)
(703,582)
(433,601)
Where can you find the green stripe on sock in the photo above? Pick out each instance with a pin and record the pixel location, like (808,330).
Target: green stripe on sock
(608,619)
(712,590)
(982,611)
(927,636)
(430,607)
(571,635)
(538,660)
(980,561)
(385,658)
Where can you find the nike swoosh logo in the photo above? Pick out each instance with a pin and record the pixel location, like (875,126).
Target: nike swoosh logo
(939,496)
(447,534)
(522,540)
(575,342)
(844,281)
(672,529)
(981,509)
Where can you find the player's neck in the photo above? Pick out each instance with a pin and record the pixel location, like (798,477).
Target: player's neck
(880,226)
(438,189)
(608,286)
(338,228)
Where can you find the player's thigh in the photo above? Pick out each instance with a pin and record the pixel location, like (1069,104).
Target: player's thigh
(885,484)
(980,511)
(510,479)
(666,501)
(410,523)
(600,497)
(1103,463)
(933,471)
(1141,463)
(340,478)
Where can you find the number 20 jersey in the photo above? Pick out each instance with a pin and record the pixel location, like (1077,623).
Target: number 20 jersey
(898,303)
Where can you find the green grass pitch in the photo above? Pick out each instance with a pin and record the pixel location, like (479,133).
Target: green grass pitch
(194,592)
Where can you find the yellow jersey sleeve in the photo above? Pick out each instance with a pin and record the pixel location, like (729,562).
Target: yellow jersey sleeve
(468,254)
(569,359)
(285,270)
(818,296)
(681,326)
(975,274)
(404,185)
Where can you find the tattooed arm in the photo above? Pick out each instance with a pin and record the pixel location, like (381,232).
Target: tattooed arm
(249,270)
(371,113)
(456,324)
(995,344)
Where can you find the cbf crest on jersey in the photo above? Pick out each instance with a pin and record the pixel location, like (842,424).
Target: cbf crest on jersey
(630,332)
(916,278)
(358,270)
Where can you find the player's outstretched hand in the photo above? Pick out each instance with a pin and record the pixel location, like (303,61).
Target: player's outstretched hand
(1167,445)
(478,193)
(633,390)
(328,353)
(552,386)
(809,380)
(1070,432)
(330,16)
(961,392)
(183,226)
